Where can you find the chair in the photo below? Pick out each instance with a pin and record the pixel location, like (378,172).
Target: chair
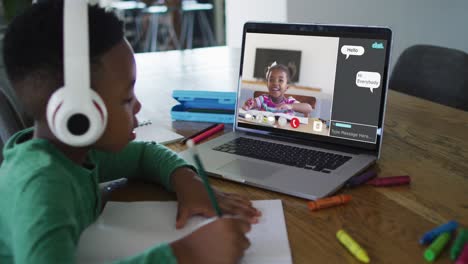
(301,98)
(131,13)
(155,13)
(189,10)
(10,120)
(434,73)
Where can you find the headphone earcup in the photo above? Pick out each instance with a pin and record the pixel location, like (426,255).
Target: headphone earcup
(76,121)
(101,110)
(53,105)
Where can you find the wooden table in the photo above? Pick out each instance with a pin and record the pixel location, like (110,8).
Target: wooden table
(422,139)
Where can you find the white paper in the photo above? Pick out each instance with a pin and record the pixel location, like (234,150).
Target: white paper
(159,134)
(126,229)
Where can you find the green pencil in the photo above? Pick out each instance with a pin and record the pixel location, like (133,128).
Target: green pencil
(202,174)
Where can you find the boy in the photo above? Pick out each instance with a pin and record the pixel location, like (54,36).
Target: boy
(50,190)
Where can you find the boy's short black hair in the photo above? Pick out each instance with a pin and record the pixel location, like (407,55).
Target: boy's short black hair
(33,50)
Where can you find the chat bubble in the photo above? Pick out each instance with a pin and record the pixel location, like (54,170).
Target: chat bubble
(367,79)
(352,50)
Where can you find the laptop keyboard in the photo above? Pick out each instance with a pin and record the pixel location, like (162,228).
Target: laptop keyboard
(284,154)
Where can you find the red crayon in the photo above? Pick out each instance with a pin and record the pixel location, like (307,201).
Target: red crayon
(198,133)
(208,133)
(390,181)
(463,258)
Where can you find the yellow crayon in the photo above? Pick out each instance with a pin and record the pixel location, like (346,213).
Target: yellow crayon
(352,246)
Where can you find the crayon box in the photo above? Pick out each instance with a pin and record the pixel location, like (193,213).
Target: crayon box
(204,106)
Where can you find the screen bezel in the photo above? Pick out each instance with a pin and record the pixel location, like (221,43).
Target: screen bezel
(341,31)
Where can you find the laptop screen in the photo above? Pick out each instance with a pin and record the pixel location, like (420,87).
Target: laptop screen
(314,82)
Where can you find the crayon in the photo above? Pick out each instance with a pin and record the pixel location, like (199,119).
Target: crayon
(352,246)
(463,258)
(198,133)
(329,202)
(390,181)
(430,235)
(462,239)
(360,179)
(431,253)
(208,133)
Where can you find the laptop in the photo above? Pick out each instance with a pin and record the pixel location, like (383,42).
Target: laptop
(307,137)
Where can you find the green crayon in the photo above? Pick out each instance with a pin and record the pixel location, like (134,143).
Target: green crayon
(457,246)
(431,253)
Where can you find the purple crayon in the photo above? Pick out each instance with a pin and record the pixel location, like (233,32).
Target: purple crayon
(390,181)
(360,179)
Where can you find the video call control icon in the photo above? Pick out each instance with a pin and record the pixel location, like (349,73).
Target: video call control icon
(282,121)
(317,126)
(271,120)
(295,122)
(259,118)
(249,117)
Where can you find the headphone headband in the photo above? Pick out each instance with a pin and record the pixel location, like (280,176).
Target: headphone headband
(75,113)
(76,46)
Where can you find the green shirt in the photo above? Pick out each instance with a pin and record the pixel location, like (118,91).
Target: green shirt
(47,200)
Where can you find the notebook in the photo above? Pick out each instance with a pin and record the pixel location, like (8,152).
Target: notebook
(339,73)
(126,229)
(147,131)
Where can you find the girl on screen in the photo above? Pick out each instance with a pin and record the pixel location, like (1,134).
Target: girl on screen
(278,77)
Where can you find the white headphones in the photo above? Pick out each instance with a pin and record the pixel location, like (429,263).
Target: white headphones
(76,114)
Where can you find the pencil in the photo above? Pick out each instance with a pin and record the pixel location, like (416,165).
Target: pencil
(202,174)
(198,133)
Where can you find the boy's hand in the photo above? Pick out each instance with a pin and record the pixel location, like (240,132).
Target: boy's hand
(193,200)
(197,202)
(221,241)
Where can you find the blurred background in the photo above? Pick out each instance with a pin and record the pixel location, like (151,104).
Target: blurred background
(157,25)
(430,40)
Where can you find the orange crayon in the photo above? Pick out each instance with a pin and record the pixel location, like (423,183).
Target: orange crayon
(329,202)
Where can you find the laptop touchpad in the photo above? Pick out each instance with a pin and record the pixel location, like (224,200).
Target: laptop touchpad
(249,169)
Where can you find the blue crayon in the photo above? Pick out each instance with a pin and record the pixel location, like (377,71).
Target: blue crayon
(431,235)
(360,179)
